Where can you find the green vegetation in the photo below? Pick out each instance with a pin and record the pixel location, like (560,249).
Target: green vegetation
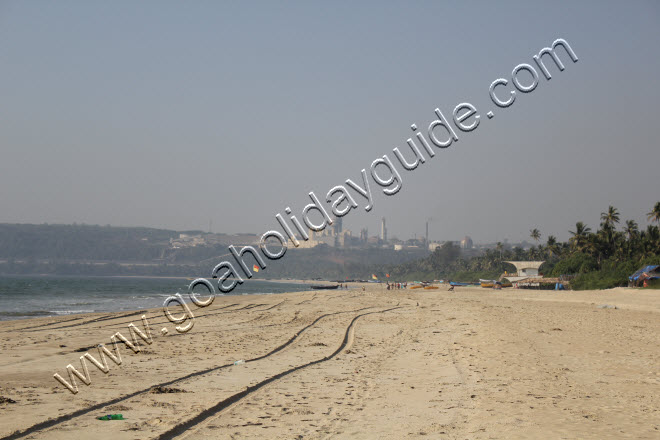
(446,262)
(596,260)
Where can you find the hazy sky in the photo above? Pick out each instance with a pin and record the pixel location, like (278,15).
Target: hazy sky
(168,114)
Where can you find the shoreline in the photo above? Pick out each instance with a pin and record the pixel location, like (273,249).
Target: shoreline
(30,314)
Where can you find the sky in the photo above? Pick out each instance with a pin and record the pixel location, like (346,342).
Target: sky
(172,114)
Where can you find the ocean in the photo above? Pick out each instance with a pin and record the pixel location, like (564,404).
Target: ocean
(36,296)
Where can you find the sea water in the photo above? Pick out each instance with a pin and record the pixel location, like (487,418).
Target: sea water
(35,296)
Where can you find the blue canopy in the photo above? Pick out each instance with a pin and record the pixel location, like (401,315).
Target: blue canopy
(636,275)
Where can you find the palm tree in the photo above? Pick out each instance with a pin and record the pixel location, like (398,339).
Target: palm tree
(535,234)
(651,239)
(551,245)
(596,246)
(611,217)
(631,229)
(499,246)
(654,215)
(518,253)
(535,252)
(579,236)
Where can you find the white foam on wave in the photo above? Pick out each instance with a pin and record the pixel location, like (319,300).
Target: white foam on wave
(70,312)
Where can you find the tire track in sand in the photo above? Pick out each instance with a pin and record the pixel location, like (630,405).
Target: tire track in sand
(67,417)
(215,410)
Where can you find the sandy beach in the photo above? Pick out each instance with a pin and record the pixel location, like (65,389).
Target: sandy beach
(468,364)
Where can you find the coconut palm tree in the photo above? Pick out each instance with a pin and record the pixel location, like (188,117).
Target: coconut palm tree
(551,245)
(579,236)
(499,246)
(611,217)
(518,253)
(651,240)
(535,252)
(597,246)
(631,229)
(535,234)
(632,232)
(654,215)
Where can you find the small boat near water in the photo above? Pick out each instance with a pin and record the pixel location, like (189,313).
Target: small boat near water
(324,287)
(487,283)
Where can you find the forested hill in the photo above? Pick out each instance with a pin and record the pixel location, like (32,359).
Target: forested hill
(82,242)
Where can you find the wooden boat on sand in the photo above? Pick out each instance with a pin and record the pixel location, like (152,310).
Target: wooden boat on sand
(488,284)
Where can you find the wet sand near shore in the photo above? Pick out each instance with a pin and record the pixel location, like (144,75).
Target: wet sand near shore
(473,363)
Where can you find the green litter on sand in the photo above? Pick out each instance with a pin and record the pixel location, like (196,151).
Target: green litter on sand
(111,417)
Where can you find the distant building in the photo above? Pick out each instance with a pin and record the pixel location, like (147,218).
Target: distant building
(466,243)
(405,247)
(337,226)
(383,231)
(433,246)
(333,236)
(345,239)
(373,240)
(186,240)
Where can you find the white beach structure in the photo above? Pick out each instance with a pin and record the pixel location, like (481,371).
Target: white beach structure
(524,269)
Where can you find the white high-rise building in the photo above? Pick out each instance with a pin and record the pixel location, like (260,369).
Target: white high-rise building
(466,243)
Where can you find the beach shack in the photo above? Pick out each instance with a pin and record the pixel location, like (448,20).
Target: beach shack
(524,270)
(527,276)
(644,274)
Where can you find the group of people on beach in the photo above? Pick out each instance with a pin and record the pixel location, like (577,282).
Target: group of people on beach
(397,286)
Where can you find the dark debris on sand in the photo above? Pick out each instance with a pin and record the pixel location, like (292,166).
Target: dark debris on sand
(166,390)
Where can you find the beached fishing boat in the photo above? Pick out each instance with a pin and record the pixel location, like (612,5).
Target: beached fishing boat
(430,287)
(487,283)
(324,287)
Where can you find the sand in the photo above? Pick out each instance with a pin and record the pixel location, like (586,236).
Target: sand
(469,364)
